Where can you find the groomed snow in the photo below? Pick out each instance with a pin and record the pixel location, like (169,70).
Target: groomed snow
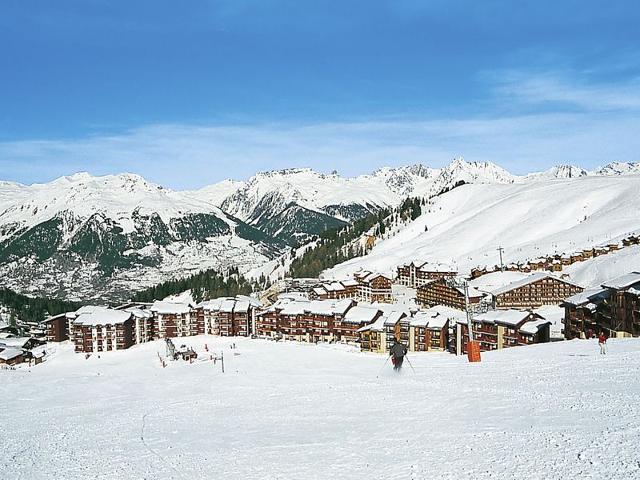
(298,411)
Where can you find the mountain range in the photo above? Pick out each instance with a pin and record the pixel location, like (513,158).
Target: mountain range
(87,237)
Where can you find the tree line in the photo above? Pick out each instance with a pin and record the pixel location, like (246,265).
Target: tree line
(204,285)
(33,309)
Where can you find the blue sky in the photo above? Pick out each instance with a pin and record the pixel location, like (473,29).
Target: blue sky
(189,93)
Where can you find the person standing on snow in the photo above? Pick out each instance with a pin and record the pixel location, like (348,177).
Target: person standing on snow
(602,341)
(397,353)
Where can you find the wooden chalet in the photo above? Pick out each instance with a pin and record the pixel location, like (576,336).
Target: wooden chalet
(534,291)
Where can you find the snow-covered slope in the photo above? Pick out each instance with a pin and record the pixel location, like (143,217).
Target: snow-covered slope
(297,411)
(466,226)
(292,203)
(109,235)
(82,236)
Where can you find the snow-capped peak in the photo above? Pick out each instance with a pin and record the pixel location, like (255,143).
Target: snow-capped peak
(558,171)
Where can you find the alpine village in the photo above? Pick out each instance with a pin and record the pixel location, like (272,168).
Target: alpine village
(425,305)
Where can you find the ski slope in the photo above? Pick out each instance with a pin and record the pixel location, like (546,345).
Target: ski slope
(465,226)
(299,411)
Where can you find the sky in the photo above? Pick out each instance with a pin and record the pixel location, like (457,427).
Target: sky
(190,93)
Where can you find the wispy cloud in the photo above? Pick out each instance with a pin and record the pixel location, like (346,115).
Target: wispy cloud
(582,123)
(560,90)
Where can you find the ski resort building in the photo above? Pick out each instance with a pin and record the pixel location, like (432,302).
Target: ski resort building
(374,287)
(11,356)
(100,329)
(533,291)
(144,325)
(500,329)
(173,319)
(303,321)
(445,292)
(586,313)
(429,329)
(416,274)
(57,328)
(624,302)
(346,328)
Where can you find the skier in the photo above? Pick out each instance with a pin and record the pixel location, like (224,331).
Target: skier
(397,353)
(602,341)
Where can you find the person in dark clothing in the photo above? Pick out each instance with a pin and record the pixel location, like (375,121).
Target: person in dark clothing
(397,353)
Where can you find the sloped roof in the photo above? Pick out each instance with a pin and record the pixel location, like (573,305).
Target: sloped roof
(15,342)
(105,316)
(505,317)
(360,314)
(10,354)
(589,295)
(533,326)
(623,281)
(168,308)
(535,277)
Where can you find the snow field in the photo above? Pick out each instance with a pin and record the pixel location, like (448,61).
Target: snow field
(299,411)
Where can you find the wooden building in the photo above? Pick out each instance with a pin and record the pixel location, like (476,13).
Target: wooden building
(499,329)
(445,292)
(416,274)
(102,330)
(57,328)
(11,356)
(624,302)
(303,320)
(374,287)
(173,319)
(586,313)
(346,328)
(534,291)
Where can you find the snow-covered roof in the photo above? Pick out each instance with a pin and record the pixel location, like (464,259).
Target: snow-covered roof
(138,312)
(15,342)
(589,295)
(228,305)
(54,317)
(10,354)
(242,306)
(105,316)
(360,314)
(393,317)
(532,327)
(420,319)
(624,281)
(504,317)
(86,309)
(372,276)
(350,282)
(213,304)
(169,308)
(534,277)
(319,290)
(494,280)
(377,326)
(333,287)
(440,314)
